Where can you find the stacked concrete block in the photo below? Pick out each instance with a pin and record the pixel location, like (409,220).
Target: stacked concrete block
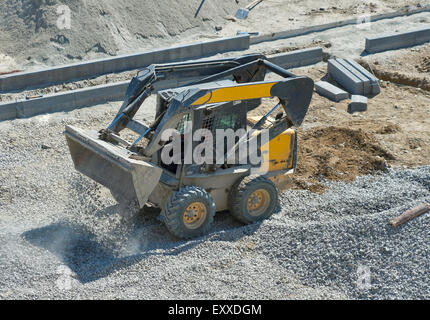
(397,40)
(358,104)
(330,91)
(353,77)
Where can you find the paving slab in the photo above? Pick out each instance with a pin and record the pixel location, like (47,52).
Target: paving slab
(330,91)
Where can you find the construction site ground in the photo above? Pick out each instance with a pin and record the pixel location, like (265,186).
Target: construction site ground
(395,131)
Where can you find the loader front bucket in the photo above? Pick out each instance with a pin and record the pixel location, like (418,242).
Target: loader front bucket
(111,166)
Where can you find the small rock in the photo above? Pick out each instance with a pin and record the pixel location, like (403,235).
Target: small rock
(45,147)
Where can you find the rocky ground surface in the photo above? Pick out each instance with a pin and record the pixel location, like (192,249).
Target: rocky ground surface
(64,236)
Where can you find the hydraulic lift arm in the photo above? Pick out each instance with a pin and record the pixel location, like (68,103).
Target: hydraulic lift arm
(164,76)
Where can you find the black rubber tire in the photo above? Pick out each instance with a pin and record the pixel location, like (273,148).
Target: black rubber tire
(174,208)
(242,190)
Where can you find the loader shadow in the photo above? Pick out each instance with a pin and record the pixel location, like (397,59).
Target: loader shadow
(364,53)
(89,259)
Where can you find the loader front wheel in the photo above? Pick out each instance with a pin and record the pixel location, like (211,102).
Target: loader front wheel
(189,212)
(252,199)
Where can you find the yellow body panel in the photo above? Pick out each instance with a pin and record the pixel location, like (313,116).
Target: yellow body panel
(239,92)
(278,153)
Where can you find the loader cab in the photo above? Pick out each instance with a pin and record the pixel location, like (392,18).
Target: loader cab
(214,119)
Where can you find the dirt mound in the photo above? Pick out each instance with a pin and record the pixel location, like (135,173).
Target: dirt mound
(335,153)
(40,31)
(407,79)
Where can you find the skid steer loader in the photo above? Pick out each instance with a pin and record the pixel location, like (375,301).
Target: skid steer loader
(213,95)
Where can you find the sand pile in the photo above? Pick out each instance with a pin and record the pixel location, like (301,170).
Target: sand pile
(34,32)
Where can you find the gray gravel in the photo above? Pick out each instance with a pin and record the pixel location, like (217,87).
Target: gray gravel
(63,236)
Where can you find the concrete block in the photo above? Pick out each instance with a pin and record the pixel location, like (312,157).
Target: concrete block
(64,101)
(422,35)
(179,54)
(389,42)
(358,104)
(360,69)
(330,91)
(375,87)
(223,45)
(7,111)
(242,13)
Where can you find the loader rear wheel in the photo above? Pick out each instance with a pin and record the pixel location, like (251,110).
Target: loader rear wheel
(252,199)
(189,212)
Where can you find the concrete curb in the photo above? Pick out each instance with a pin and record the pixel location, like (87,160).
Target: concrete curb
(358,104)
(353,77)
(79,71)
(330,91)
(397,40)
(322,27)
(66,101)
